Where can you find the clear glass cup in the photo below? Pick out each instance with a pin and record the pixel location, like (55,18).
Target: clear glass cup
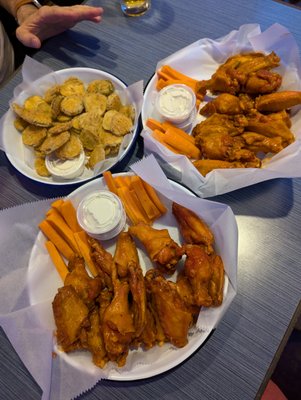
(135,8)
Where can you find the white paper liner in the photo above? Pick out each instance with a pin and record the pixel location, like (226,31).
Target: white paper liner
(30,326)
(37,78)
(200,60)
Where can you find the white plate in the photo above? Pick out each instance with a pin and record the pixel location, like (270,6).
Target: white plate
(43,282)
(12,140)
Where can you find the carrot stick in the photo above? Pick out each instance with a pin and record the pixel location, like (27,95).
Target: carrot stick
(108,177)
(131,208)
(59,224)
(139,206)
(149,207)
(175,74)
(178,131)
(154,197)
(57,260)
(69,214)
(57,240)
(159,136)
(120,181)
(81,238)
(153,124)
(182,145)
(57,204)
(162,83)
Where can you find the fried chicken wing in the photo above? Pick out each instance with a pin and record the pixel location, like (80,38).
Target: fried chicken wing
(199,272)
(104,262)
(261,143)
(161,248)
(248,73)
(216,284)
(86,287)
(174,316)
(128,266)
(225,103)
(92,339)
(205,166)
(278,101)
(125,254)
(118,325)
(193,229)
(70,315)
(271,127)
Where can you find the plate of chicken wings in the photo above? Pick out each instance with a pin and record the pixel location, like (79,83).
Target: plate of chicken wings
(153,284)
(247,125)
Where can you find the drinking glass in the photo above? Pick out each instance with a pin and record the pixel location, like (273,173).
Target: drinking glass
(135,8)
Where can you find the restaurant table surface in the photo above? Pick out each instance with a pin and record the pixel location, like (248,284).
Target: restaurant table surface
(239,356)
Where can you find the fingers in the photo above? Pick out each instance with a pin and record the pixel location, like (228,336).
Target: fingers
(28,39)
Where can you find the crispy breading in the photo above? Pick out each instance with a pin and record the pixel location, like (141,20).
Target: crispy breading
(95,102)
(121,124)
(114,102)
(59,127)
(20,124)
(71,86)
(72,105)
(40,167)
(107,119)
(33,135)
(52,143)
(70,149)
(98,154)
(103,86)
(34,117)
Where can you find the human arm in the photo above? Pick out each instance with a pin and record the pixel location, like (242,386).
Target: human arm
(38,24)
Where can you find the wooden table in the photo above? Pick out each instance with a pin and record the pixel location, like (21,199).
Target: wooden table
(239,357)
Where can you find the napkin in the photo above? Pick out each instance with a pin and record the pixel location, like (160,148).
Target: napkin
(200,60)
(29,323)
(32,84)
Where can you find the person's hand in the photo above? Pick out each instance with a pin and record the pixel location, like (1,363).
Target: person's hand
(50,21)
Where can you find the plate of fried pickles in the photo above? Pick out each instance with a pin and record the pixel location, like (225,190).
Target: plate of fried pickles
(139,313)
(69,126)
(247,125)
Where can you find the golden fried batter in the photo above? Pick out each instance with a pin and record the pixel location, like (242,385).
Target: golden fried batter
(71,86)
(95,102)
(114,102)
(40,167)
(102,86)
(160,247)
(70,314)
(121,124)
(33,135)
(193,229)
(52,143)
(72,105)
(71,149)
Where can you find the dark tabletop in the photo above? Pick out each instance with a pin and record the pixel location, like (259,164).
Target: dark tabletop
(239,356)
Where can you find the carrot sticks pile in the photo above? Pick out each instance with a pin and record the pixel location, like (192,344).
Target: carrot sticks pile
(64,237)
(175,139)
(139,199)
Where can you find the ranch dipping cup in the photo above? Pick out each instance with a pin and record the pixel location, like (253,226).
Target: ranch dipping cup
(135,8)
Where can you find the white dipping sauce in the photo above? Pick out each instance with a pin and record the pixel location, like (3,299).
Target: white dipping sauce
(176,102)
(66,169)
(101,214)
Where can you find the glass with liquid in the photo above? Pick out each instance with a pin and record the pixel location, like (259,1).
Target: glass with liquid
(135,8)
